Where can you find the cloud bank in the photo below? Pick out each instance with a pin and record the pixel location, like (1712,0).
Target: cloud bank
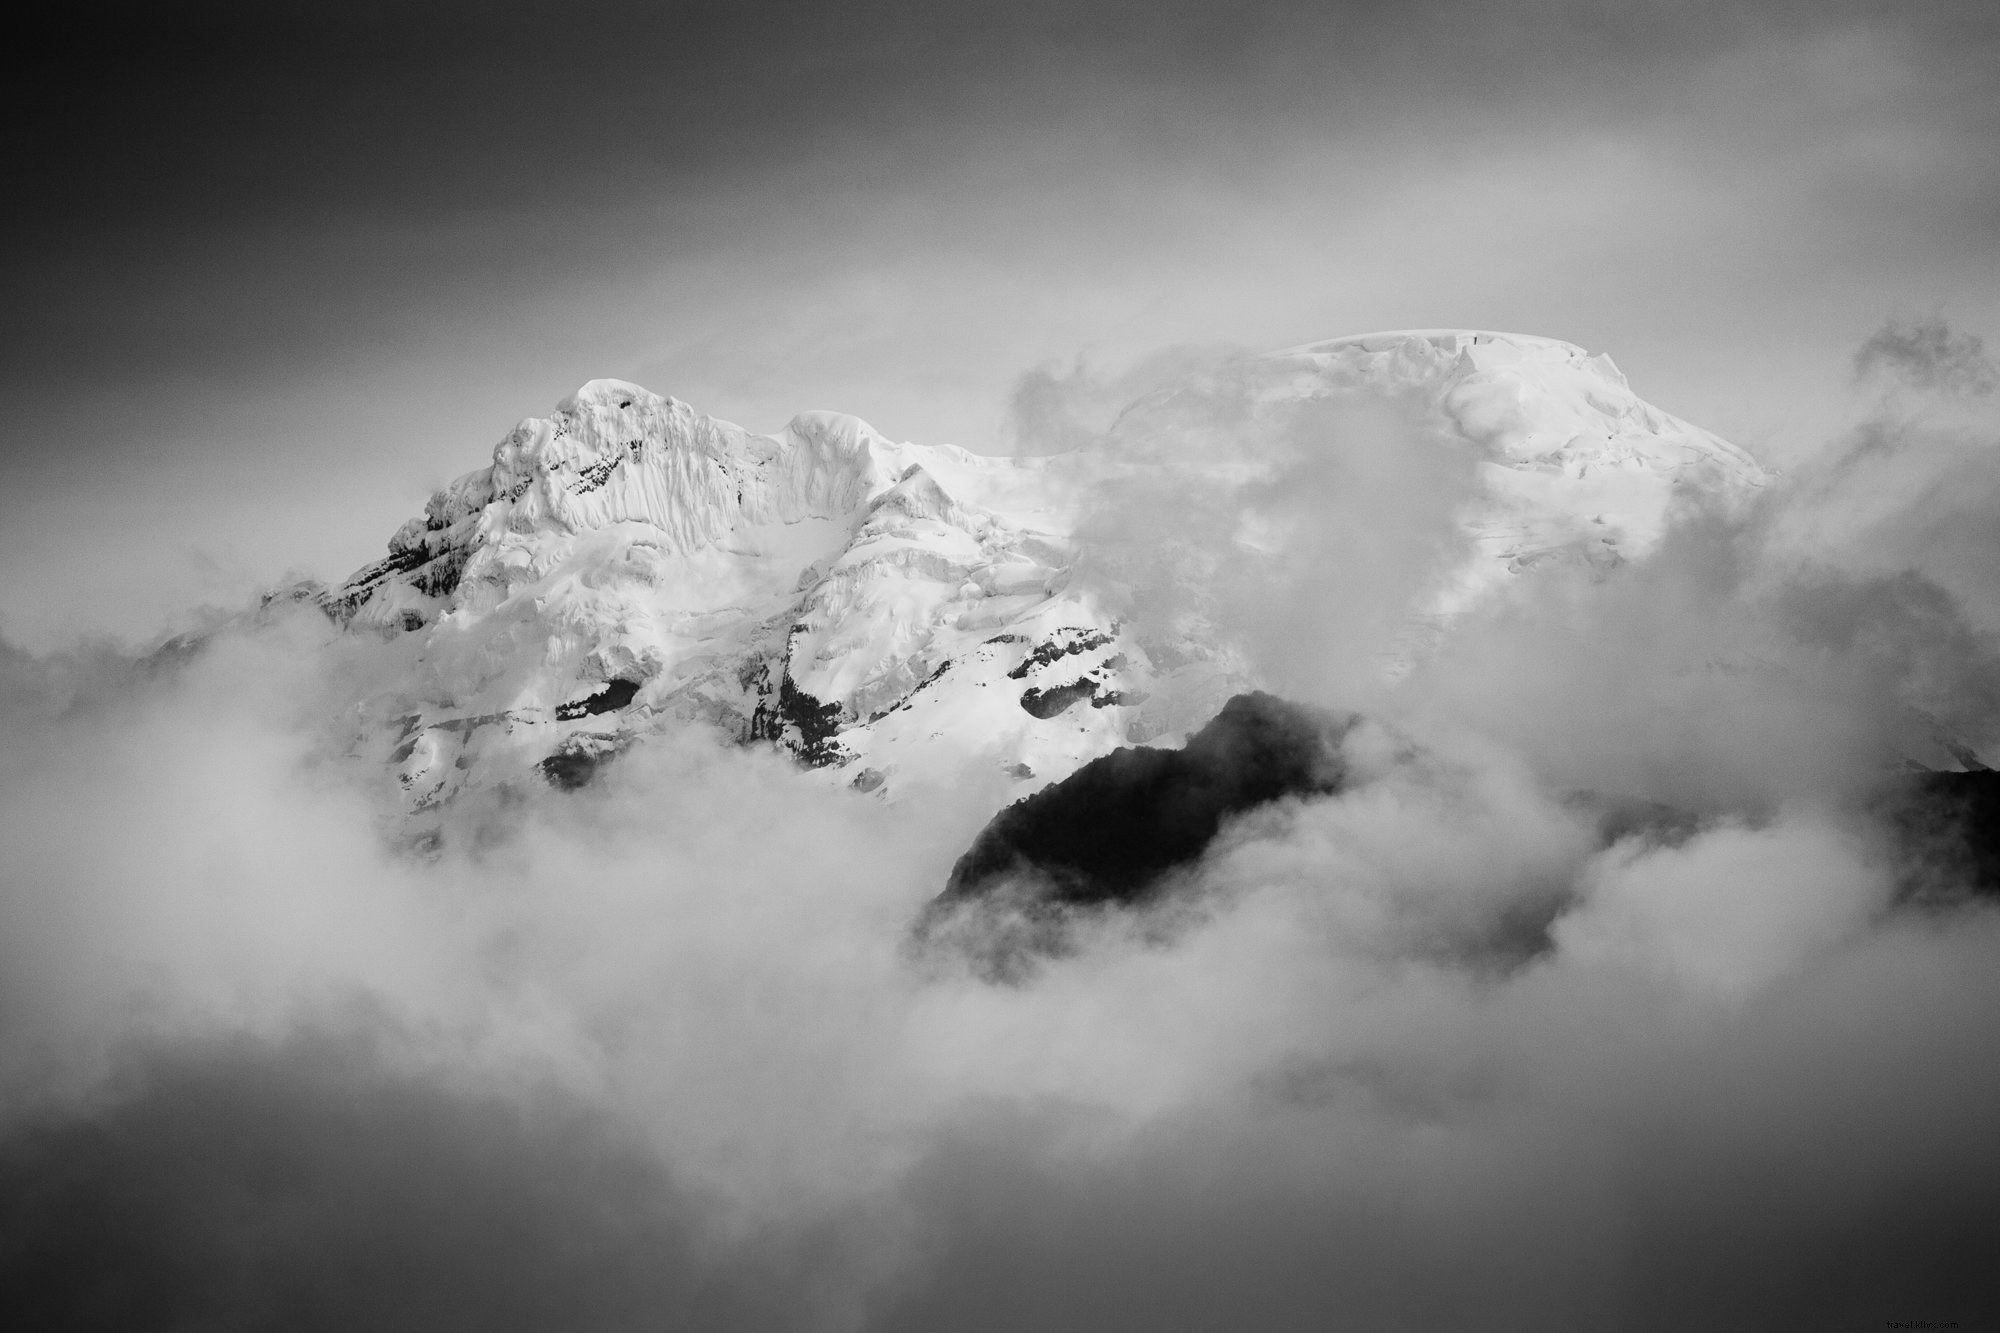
(1602,1004)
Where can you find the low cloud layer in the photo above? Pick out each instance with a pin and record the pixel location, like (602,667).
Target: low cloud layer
(1600,1004)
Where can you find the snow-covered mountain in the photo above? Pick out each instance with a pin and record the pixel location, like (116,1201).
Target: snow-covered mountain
(890,612)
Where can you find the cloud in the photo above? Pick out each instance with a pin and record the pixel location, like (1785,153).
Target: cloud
(1559,1152)
(1052,410)
(1731,912)
(1595,1007)
(1929,354)
(310,1183)
(1297,530)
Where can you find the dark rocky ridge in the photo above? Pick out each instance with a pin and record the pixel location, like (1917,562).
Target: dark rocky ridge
(579,759)
(615,695)
(1112,835)
(1111,830)
(1068,641)
(1948,829)
(1045,704)
(807,726)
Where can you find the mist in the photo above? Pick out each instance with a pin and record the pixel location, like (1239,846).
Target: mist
(1596,1000)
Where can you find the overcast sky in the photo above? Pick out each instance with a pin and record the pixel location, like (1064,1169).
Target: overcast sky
(270,278)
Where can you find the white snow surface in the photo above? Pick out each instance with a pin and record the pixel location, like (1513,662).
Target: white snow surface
(893,612)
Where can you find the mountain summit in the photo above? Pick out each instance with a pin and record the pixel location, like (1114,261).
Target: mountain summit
(892,611)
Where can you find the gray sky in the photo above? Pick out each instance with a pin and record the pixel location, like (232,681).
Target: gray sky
(271,277)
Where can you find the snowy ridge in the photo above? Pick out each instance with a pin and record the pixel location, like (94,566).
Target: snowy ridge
(1574,463)
(895,612)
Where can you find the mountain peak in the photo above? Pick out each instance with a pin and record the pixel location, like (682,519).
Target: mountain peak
(896,611)
(608,393)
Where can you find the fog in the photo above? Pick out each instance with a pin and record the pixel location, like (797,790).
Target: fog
(1599,1004)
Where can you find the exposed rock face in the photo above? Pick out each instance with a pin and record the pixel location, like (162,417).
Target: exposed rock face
(1113,834)
(627,565)
(1109,831)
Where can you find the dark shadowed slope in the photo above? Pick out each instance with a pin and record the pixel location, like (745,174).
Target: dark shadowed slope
(1109,831)
(1949,827)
